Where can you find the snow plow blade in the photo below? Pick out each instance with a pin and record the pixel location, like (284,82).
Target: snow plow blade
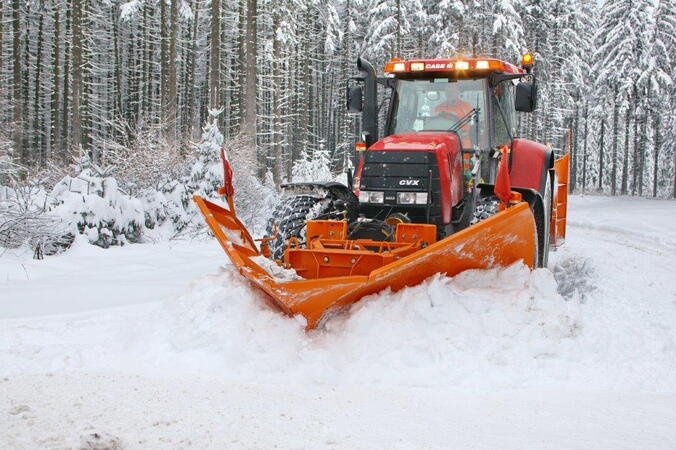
(337,272)
(560,209)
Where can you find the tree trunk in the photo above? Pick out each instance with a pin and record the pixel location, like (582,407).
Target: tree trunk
(277,94)
(634,166)
(238,97)
(625,162)
(584,149)
(76,75)
(2,36)
(65,121)
(603,129)
(38,88)
(657,144)
(25,89)
(616,113)
(249,126)
(642,152)
(146,92)
(16,97)
(573,153)
(190,85)
(215,56)
(87,85)
(56,64)
(164,64)
(172,87)
(397,51)
(117,70)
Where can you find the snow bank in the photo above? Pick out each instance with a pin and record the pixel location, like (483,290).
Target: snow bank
(506,324)
(437,333)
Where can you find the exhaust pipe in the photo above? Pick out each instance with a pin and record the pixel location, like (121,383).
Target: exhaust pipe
(369,114)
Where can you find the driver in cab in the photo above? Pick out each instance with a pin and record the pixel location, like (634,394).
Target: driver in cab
(449,112)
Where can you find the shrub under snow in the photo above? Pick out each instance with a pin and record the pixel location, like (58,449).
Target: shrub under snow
(95,204)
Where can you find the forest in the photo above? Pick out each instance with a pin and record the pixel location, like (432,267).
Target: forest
(130,83)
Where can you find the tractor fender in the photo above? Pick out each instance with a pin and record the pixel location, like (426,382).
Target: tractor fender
(333,189)
(530,164)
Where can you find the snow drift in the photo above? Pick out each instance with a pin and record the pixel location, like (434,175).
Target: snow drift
(440,333)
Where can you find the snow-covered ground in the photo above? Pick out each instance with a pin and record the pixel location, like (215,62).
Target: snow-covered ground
(165,346)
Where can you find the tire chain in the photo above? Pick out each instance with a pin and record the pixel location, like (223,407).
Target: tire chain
(290,215)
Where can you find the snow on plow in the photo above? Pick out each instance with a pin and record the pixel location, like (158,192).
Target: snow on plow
(334,272)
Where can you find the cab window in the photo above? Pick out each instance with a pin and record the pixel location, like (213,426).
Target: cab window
(440,104)
(504,116)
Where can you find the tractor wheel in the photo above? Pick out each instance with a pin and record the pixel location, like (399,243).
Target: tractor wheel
(544,238)
(290,216)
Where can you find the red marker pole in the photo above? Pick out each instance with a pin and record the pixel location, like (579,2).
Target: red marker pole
(227,189)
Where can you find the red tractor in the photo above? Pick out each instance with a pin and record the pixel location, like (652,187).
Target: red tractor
(443,184)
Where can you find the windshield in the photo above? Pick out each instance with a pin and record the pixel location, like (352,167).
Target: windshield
(441,104)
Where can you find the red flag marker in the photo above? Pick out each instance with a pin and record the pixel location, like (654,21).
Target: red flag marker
(227,188)
(503,188)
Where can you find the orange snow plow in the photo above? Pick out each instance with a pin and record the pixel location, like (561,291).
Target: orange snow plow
(338,272)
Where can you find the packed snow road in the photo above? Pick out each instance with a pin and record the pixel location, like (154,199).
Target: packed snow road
(164,346)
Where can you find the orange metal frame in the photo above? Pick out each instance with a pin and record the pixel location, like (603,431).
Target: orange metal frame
(339,257)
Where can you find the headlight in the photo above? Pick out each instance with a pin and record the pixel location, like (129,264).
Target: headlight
(411,198)
(371,197)
(376,197)
(406,198)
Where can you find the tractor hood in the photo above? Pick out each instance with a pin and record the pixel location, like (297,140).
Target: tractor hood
(432,157)
(430,141)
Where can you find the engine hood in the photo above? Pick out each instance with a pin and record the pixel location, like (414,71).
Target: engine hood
(422,141)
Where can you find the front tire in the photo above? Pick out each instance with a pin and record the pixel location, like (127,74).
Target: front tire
(291,214)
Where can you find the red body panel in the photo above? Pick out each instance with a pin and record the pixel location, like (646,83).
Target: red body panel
(528,160)
(446,146)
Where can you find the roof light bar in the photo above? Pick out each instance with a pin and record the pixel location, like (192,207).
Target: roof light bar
(481,65)
(462,67)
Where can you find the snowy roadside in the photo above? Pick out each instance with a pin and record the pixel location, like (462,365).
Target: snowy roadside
(88,277)
(123,411)
(502,358)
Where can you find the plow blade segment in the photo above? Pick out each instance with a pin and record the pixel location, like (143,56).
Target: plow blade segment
(500,240)
(560,207)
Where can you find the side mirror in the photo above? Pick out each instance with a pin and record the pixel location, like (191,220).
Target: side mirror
(526,96)
(354,99)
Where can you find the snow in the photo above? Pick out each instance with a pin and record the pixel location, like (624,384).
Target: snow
(212,413)
(88,277)
(279,273)
(167,346)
